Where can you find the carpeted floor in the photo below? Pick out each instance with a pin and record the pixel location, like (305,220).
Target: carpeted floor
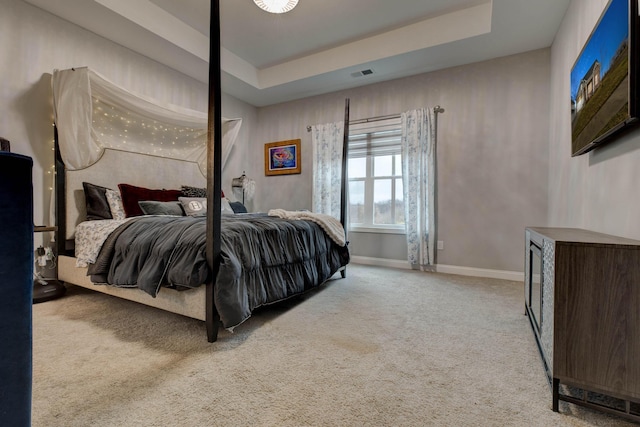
(382,347)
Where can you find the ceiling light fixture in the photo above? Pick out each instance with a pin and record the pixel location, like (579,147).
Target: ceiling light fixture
(276,6)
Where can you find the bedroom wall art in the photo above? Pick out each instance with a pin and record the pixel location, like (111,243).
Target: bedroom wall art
(282,157)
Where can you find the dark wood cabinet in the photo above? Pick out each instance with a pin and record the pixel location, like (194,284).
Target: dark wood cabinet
(582,296)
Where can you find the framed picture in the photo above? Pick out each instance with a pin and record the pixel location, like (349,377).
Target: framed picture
(282,157)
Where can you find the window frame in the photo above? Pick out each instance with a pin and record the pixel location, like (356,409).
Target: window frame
(369,180)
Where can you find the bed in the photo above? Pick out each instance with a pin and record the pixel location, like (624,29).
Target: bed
(264,259)
(226,264)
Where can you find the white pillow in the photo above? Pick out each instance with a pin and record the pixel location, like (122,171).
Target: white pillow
(115,204)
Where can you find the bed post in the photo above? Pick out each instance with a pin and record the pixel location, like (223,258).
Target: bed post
(60,198)
(345,183)
(214,172)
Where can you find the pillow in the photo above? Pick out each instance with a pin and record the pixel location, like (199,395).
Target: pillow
(187,191)
(225,207)
(131,195)
(194,206)
(238,207)
(198,192)
(115,204)
(96,202)
(197,206)
(151,207)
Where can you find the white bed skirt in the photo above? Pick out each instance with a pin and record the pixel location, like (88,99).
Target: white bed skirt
(190,303)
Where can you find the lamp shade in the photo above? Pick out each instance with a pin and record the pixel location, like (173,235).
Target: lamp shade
(276,6)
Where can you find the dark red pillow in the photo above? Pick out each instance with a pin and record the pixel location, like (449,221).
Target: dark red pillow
(131,195)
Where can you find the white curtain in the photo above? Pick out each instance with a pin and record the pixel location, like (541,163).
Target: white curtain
(418,179)
(327,142)
(92,114)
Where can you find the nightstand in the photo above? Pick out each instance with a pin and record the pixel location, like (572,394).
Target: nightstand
(46,289)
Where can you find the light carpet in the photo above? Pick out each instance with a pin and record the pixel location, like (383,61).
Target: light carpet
(382,347)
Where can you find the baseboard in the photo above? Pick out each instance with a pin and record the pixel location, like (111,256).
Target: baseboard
(381,262)
(442,268)
(516,276)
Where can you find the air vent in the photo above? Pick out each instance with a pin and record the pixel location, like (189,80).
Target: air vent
(362,73)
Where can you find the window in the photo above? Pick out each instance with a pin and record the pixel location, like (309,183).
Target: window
(375,177)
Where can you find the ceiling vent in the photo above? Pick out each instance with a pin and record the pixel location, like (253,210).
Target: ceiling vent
(362,73)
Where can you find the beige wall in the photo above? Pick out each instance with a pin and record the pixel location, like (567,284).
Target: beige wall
(598,190)
(492,153)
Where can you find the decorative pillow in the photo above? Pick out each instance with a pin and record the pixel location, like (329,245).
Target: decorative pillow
(115,204)
(96,202)
(188,191)
(197,206)
(238,207)
(194,206)
(131,195)
(151,207)
(225,207)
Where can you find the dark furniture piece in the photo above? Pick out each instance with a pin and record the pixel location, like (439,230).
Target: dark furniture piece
(582,297)
(16,281)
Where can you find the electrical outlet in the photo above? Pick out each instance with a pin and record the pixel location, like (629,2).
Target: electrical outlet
(440,245)
(48,253)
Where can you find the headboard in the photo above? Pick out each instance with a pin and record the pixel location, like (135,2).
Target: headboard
(122,167)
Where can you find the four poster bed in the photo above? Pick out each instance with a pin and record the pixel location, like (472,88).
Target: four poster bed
(139,205)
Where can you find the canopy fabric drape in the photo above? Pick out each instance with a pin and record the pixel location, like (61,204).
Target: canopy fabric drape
(92,113)
(418,176)
(327,141)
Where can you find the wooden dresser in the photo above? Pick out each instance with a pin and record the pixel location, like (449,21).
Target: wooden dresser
(582,297)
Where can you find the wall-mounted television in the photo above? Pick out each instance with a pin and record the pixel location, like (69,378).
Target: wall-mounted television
(604,79)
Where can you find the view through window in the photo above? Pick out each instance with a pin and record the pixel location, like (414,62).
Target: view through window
(375,176)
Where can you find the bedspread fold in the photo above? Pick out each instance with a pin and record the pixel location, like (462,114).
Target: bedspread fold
(329,224)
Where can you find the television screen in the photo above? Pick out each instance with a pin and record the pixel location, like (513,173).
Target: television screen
(602,101)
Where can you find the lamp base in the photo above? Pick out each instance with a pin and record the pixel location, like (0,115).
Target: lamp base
(50,289)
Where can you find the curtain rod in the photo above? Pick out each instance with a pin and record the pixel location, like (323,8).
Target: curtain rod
(437,109)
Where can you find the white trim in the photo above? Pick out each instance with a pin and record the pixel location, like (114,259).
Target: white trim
(379,230)
(515,276)
(381,262)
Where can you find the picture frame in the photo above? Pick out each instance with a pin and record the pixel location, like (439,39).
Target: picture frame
(282,157)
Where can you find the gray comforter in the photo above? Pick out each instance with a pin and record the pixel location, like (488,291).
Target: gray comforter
(263,259)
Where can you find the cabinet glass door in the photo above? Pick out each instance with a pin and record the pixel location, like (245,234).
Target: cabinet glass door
(535,285)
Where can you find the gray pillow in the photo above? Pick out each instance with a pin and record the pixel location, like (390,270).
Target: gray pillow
(194,206)
(96,202)
(151,207)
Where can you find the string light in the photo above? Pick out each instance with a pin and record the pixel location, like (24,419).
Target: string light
(118,129)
